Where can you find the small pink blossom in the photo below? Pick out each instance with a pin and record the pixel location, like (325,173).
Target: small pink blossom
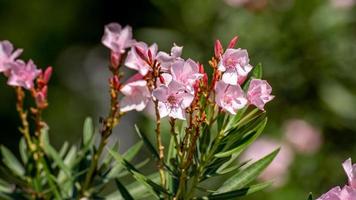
(186,72)
(135,61)
(304,137)
(343,3)
(235,65)
(350,170)
(229,97)
(259,93)
(348,192)
(278,169)
(117,39)
(166,60)
(173,100)
(136,94)
(7,55)
(22,74)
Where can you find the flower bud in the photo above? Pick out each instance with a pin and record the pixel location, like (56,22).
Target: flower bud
(115,59)
(218,49)
(233,42)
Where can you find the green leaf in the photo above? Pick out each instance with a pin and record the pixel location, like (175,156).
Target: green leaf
(88,131)
(23,150)
(11,162)
(242,178)
(128,155)
(54,154)
(237,193)
(123,190)
(253,136)
(63,149)
(147,142)
(257,71)
(6,187)
(155,189)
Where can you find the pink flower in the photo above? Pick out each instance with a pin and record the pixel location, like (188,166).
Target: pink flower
(235,65)
(343,3)
(22,74)
(229,97)
(7,55)
(259,93)
(166,60)
(302,136)
(278,169)
(350,170)
(186,72)
(135,61)
(116,38)
(136,94)
(348,192)
(172,100)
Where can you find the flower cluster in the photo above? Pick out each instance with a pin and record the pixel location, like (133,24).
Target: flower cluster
(173,82)
(22,74)
(348,192)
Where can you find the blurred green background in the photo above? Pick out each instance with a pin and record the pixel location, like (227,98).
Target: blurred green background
(307,47)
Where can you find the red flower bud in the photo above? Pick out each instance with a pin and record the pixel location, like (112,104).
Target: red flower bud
(218,49)
(140,52)
(115,59)
(161,79)
(233,42)
(47,74)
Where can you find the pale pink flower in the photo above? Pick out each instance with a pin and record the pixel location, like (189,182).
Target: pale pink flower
(348,192)
(343,3)
(136,94)
(237,3)
(166,60)
(350,170)
(173,100)
(22,74)
(135,61)
(7,55)
(304,137)
(229,97)
(186,72)
(278,169)
(117,39)
(235,65)
(259,93)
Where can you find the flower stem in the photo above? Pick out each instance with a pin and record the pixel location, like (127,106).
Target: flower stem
(160,146)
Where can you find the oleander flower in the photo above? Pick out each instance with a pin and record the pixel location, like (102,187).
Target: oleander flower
(235,65)
(348,192)
(344,4)
(134,58)
(136,94)
(7,55)
(278,169)
(259,93)
(173,99)
(23,74)
(116,38)
(166,60)
(229,97)
(186,72)
(302,136)
(350,170)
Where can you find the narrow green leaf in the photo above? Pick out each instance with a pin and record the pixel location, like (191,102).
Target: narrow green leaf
(5,187)
(152,187)
(147,142)
(123,190)
(257,71)
(237,193)
(88,131)
(23,150)
(246,143)
(128,155)
(63,149)
(242,178)
(54,154)
(11,162)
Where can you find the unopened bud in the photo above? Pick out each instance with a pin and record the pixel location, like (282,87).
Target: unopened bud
(47,74)
(115,59)
(140,52)
(218,49)
(233,42)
